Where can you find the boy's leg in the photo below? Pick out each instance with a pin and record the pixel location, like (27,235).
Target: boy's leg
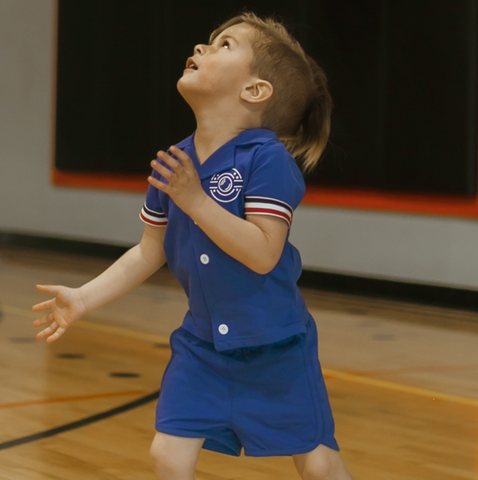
(175,458)
(322,463)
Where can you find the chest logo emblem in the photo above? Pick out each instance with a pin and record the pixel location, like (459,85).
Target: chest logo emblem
(225,187)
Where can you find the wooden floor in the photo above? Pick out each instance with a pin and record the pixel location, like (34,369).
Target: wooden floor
(402,379)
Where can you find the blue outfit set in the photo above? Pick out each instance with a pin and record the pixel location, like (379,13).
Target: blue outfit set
(244,371)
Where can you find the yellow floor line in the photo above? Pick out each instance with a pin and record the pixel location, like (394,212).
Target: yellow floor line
(148,337)
(374,382)
(19,311)
(349,377)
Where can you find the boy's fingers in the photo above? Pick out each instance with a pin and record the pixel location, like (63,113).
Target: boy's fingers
(162,170)
(158,184)
(56,335)
(48,288)
(42,306)
(43,320)
(48,331)
(184,157)
(173,163)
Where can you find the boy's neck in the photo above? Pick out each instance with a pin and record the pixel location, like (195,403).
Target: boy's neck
(213,132)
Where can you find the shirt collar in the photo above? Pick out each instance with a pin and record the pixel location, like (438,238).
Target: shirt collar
(224,157)
(255,135)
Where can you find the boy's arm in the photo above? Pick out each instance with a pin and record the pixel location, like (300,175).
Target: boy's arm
(129,271)
(257,242)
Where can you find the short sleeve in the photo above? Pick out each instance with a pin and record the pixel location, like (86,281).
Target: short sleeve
(275,186)
(153,212)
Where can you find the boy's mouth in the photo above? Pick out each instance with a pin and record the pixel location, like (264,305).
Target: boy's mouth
(190,64)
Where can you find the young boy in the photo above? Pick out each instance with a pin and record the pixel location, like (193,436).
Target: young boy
(244,371)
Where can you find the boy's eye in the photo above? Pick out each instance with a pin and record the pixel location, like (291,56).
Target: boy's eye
(225,43)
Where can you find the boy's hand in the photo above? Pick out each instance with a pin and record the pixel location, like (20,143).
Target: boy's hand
(184,185)
(66,307)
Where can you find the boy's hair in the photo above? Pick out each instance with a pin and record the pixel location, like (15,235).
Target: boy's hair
(300,107)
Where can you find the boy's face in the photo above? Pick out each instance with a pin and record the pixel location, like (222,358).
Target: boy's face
(220,69)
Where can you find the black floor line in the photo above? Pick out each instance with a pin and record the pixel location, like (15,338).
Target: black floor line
(81,423)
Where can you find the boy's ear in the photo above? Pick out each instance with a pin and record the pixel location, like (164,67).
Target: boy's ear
(257,92)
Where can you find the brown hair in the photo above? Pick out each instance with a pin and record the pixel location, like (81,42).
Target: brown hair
(300,108)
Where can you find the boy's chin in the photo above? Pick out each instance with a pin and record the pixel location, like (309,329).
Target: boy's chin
(185,92)
(188,85)
(190,91)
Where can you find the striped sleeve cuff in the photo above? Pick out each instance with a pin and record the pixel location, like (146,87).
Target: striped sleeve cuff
(268,206)
(155,219)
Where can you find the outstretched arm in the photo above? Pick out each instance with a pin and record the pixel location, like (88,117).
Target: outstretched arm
(257,242)
(129,271)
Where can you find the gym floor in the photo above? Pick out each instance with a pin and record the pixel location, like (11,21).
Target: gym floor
(402,380)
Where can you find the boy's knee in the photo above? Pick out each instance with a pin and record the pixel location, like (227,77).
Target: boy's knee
(174,457)
(156,453)
(317,468)
(166,466)
(323,463)
(317,471)
(159,458)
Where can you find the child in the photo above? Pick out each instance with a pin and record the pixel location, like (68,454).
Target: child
(244,371)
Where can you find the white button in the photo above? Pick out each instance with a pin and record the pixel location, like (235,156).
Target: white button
(204,259)
(223,329)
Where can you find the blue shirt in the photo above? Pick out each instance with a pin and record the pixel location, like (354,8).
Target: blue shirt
(229,304)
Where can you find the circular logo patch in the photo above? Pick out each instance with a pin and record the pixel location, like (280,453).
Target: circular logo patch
(225,187)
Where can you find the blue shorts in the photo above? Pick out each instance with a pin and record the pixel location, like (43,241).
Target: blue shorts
(270,400)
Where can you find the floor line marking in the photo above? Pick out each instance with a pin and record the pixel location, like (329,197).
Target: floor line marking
(99,327)
(430,368)
(76,398)
(374,382)
(148,337)
(81,423)
(350,377)
(19,311)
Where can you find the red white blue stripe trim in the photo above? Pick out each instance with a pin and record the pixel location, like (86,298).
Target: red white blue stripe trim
(155,219)
(268,206)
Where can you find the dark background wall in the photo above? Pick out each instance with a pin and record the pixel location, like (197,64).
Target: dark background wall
(425,248)
(402,75)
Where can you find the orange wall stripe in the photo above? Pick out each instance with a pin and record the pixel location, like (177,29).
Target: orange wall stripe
(426,204)
(107,181)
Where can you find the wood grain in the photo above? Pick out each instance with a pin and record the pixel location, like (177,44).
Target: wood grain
(386,429)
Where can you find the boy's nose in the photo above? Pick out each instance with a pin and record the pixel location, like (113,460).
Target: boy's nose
(200,49)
